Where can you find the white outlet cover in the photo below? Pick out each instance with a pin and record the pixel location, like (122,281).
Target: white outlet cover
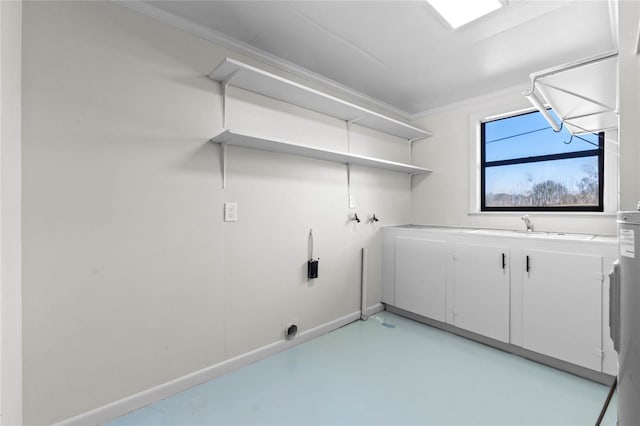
(230,212)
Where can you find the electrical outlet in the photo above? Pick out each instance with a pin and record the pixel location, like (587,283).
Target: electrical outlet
(352,202)
(230,212)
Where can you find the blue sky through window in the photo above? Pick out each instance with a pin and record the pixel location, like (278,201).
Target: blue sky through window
(501,144)
(529,135)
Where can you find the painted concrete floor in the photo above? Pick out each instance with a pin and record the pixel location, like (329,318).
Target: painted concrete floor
(385,371)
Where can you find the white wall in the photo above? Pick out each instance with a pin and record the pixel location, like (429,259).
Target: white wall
(131,278)
(629,81)
(449,195)
(10,214)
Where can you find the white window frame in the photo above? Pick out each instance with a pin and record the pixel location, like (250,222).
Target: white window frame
(611,177)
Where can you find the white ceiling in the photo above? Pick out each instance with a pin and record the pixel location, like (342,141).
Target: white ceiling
(400,52)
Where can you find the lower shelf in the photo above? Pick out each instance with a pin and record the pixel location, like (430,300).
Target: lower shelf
(230,137)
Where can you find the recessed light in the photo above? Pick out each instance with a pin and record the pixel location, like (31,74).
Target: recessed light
(460,12)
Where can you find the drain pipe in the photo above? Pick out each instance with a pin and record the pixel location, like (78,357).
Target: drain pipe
(363,286)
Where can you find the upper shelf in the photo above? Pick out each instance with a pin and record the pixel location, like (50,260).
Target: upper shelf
(582,93)
(248,141)
(259,81)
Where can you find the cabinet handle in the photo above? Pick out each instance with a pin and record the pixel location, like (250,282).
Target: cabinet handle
(527,263)
(504,264)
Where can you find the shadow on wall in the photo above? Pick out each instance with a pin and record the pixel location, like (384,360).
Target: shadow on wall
(205,159)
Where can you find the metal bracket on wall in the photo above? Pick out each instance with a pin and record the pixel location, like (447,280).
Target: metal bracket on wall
(354,120)
(223,155)
(223,84)
(350,201)
(223,146)
(348,124)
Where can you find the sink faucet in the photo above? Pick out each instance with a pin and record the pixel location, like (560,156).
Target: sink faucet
(527,222)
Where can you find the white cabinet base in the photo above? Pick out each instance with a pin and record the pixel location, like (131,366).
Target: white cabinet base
(587,373)
(554,310)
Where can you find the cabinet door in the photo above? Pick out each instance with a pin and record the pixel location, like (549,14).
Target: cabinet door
(562,306)
(481,290)
(421,276)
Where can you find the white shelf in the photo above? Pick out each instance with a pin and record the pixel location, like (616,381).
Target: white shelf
(262,82)
(239,139)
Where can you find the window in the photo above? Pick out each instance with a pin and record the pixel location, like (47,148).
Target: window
(526,166)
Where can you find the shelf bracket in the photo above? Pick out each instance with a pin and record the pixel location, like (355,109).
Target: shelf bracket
(349,123)
(350,200)
(348,129)
(591,114)
(223,157)
(577,95)
(583,130)
(418,139)
(223,84)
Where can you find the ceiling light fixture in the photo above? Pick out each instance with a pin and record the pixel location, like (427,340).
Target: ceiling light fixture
(460,12)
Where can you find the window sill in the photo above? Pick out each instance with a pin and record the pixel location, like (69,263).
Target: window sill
(543,213)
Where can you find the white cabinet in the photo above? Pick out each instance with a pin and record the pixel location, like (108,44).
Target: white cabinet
(547,299)
(481,289)
(420,276)
(562,306)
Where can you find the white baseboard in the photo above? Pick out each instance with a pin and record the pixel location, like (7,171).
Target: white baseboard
(126,405)
(372,310)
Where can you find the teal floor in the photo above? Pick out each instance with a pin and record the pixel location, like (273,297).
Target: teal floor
(385,371)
